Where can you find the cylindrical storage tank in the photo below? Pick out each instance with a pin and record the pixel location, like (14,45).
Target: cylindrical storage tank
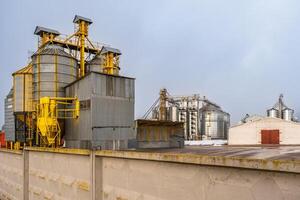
(226,123)
(23,90)
(53,69)
(214,122)
(173,113)
(287,114)
(273,113)
(96,63)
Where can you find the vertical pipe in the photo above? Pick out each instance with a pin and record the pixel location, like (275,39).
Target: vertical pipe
(82,67)
(39,77)
(72,69)
(110,63)
(56,78)
(83,33)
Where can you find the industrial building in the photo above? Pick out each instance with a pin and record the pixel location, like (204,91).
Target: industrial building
(70,94)
(278,127)
(267,130)
(203,119)
(106,112)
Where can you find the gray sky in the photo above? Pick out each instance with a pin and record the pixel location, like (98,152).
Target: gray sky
(239,54)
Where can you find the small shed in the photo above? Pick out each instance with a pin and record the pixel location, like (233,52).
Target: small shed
(266,130)
(159,134)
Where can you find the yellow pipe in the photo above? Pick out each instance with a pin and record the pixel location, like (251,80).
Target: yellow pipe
(83,34)
(111,63)
(39,75)
(82,64)
(56,79)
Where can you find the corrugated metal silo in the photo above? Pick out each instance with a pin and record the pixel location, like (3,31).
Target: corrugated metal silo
(53,69)
(173,113)
(214,122)
(273,113)
(288,114)
(96,63)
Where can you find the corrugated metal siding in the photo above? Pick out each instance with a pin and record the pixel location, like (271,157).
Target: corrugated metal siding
(52,71)
(23,92)
(113,86)
(81,89)
(9,117)
(112,111)
(108,123)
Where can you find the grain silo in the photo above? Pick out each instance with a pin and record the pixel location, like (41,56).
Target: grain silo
(53,69)
(280,110)
(214,122)
(23,105)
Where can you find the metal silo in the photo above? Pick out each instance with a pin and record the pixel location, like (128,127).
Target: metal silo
(53,69)
(287,114)
(280,110)
(96,64)
(23,90)
(273,113)
(23,105)
(173,113)
(214,122)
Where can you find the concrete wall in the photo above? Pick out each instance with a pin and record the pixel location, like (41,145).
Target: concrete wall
(59,176)
(250,133)
(11,175)
(99,175)
(148,180)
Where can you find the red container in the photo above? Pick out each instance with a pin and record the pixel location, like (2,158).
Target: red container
(2,139)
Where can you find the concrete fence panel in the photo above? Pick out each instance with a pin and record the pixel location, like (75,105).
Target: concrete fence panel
(11,175)
(71,174)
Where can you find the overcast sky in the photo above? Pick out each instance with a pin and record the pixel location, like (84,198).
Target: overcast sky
(239,54)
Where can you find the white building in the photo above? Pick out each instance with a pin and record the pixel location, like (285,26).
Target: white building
(266,130)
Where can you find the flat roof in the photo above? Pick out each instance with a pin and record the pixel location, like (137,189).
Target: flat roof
(272,158)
